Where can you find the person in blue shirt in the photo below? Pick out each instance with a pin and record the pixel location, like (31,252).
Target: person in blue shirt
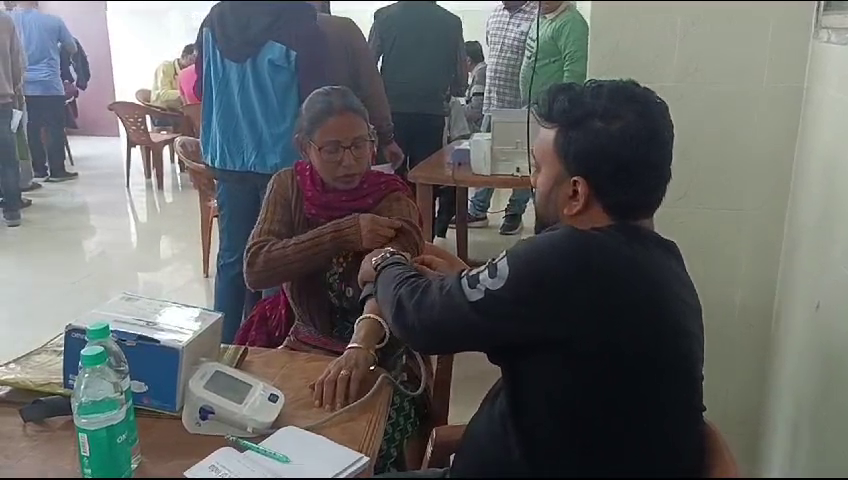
(256,62)
(42,36)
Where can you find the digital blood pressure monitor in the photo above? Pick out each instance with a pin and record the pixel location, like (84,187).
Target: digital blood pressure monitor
(221,400)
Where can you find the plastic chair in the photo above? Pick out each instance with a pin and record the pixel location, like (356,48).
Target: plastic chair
(143,96)
(444,442)
(188,150)
(46,138)
(437,416)
(134,119)
(193,115)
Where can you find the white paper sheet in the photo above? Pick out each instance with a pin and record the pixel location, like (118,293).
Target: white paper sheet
(227,463)
(17,115)
(312,456)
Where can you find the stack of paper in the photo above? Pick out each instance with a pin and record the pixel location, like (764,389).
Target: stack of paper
(312,456)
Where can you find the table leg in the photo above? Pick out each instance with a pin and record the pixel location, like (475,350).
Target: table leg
(424,197)
(462,223)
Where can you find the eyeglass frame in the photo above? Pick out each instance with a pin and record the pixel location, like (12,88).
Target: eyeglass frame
(372,139)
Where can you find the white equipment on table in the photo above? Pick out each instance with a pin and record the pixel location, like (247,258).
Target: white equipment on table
(505,150)
(221,400)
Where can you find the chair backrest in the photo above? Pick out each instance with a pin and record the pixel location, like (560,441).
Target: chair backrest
(143,96)
(193,112)
(440,390)
(188,151)
(134,119)
(720,460)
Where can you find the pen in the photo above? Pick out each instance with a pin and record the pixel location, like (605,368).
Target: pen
(258,449)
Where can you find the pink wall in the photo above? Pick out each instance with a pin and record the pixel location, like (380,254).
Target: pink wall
(87,22)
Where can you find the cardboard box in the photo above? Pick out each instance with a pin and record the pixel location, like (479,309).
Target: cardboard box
(163,342)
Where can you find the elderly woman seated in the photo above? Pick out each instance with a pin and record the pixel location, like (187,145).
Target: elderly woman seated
(319,220)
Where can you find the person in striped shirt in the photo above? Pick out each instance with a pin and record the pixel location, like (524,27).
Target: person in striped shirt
(506,36)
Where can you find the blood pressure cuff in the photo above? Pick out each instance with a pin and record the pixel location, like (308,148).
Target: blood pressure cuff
(367,293)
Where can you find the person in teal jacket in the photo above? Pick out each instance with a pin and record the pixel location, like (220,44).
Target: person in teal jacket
(561,54)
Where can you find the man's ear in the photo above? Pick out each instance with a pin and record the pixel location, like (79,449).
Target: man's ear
(575,196)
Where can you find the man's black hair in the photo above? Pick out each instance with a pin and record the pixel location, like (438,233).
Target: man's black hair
(618,136)
(188,50)
(474,51)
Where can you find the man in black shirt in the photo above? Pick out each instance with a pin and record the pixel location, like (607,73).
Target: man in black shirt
(422,55)
(595,322)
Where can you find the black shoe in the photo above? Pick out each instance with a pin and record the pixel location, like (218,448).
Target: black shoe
(512,225)
(32,187)
(474,221)
(12,219)
(62,178)
(40,175)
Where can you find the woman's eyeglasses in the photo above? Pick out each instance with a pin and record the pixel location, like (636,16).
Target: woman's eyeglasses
(360,149)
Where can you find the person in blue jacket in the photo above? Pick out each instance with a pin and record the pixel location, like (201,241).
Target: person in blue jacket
(256,62)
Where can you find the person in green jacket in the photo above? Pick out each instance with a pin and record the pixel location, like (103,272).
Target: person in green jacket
(562,51)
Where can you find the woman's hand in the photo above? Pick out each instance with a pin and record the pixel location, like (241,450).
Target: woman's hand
(377,231)
(340,383)
(438,260)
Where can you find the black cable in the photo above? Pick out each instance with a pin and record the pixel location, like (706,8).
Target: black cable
(530,96)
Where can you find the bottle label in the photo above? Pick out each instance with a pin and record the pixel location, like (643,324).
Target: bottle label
(132,427)
(105,452)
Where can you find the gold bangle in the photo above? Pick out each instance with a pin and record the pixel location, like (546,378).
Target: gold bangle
(385,325)
(359,346)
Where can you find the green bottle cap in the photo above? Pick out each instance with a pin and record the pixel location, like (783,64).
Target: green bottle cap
(93,356)
(98,331)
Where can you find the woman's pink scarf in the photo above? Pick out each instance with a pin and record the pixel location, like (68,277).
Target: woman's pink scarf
(271,321)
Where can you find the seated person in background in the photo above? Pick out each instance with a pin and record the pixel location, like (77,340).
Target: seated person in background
(595,323)
(166,89)
(319,219)
(476,85)
(457,126)
(186,79)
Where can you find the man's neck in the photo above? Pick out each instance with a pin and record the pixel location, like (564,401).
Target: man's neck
(604,221)
(562,8)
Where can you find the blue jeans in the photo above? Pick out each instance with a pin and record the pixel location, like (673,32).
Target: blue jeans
(482,200)
(240,197)
(10,173)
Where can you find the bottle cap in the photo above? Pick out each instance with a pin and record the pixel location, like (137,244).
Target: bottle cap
(98,331)
(93,356)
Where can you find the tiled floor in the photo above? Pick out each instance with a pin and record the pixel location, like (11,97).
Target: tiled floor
(86,241)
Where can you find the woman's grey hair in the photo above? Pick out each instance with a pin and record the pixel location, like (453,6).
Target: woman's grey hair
(324,104)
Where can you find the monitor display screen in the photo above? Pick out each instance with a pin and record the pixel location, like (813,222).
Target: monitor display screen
(227,386)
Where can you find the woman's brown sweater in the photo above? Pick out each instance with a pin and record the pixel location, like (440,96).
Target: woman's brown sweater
(286,248)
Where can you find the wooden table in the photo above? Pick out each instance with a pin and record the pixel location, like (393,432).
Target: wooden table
(437,170)
(50,450)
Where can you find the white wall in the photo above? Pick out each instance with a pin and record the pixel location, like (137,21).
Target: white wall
(733,75)
(809,427)
(144,34)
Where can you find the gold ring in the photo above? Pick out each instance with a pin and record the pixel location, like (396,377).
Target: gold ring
(344,373)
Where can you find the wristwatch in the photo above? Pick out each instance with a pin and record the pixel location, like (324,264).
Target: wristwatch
(389,253)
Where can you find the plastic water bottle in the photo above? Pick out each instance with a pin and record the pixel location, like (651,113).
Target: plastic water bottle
(100,416)
(100,334)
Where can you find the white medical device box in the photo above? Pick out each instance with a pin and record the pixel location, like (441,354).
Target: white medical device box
(221,400)
(163,341)
(505,151)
